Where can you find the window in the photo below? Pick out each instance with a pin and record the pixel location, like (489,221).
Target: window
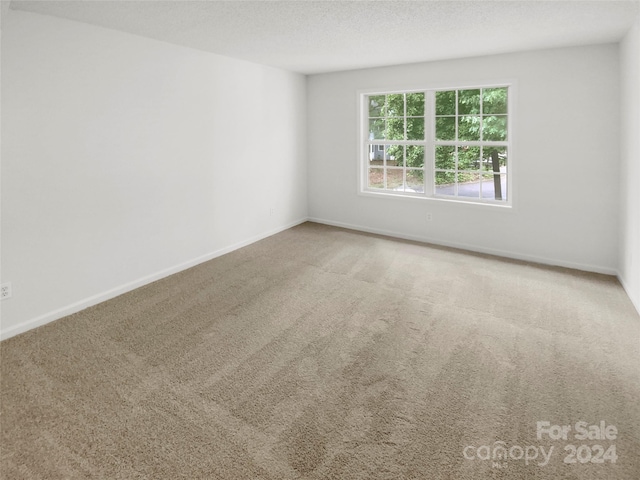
(451,144)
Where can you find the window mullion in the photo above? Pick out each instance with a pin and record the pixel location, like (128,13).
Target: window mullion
(429,148)
(481,129)
(457,137)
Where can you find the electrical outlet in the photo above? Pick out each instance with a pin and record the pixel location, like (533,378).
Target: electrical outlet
(5,290)
(429,217)
(272,211)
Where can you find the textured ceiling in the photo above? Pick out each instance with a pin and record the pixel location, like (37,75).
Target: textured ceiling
(323,36)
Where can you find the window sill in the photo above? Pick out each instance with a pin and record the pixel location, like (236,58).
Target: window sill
(440,199)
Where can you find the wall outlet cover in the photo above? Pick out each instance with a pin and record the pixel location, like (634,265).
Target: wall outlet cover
(5,290)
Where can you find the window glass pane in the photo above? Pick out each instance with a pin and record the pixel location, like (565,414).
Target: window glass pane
(376,129)
(445,157)
(494,100)
(415,156)
(415,128)
(446,102)
(445,128)
(395,105)
(395,155)
(468,128)
(395,178)
(504,186)
(376,106)
(468,102)
(494,187)
(469,185)
(469,158)
(445,183)
(494,159)
(395,129)
(494,128)
(376,178)
(376,155)
(414,181)
(415,104)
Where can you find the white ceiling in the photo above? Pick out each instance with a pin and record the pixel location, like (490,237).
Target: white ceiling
(310,37)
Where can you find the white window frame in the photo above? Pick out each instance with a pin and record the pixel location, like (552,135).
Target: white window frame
(429,144)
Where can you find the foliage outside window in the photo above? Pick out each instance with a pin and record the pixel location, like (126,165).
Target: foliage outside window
(444,143)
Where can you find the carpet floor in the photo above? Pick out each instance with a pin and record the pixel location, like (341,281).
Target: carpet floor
(326,353)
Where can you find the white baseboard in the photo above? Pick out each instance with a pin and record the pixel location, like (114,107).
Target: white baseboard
(472,248)
(634,301)
(127,287)
(104,296)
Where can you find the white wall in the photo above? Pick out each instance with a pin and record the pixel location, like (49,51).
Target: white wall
(564,159)
(125,159)
(630,160)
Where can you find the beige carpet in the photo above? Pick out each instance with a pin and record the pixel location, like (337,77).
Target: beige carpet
(325,353)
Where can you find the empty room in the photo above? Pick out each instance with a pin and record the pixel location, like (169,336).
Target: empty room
(320,239)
